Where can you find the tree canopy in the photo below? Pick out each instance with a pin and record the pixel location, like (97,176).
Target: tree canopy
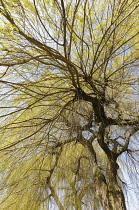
(68,103)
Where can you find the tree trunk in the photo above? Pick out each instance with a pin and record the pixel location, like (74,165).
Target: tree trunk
(106,188)
(108,191)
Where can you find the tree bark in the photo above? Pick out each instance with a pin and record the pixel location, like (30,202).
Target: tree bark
(108,191)
(106,187)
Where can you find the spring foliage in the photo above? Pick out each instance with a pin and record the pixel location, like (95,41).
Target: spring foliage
(69,103)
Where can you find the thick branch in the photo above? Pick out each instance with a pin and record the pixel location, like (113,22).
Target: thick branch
(54,195)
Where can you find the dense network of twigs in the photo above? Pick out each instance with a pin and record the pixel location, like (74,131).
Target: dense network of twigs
(69,104)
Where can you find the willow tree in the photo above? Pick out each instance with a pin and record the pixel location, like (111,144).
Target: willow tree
(69,103)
